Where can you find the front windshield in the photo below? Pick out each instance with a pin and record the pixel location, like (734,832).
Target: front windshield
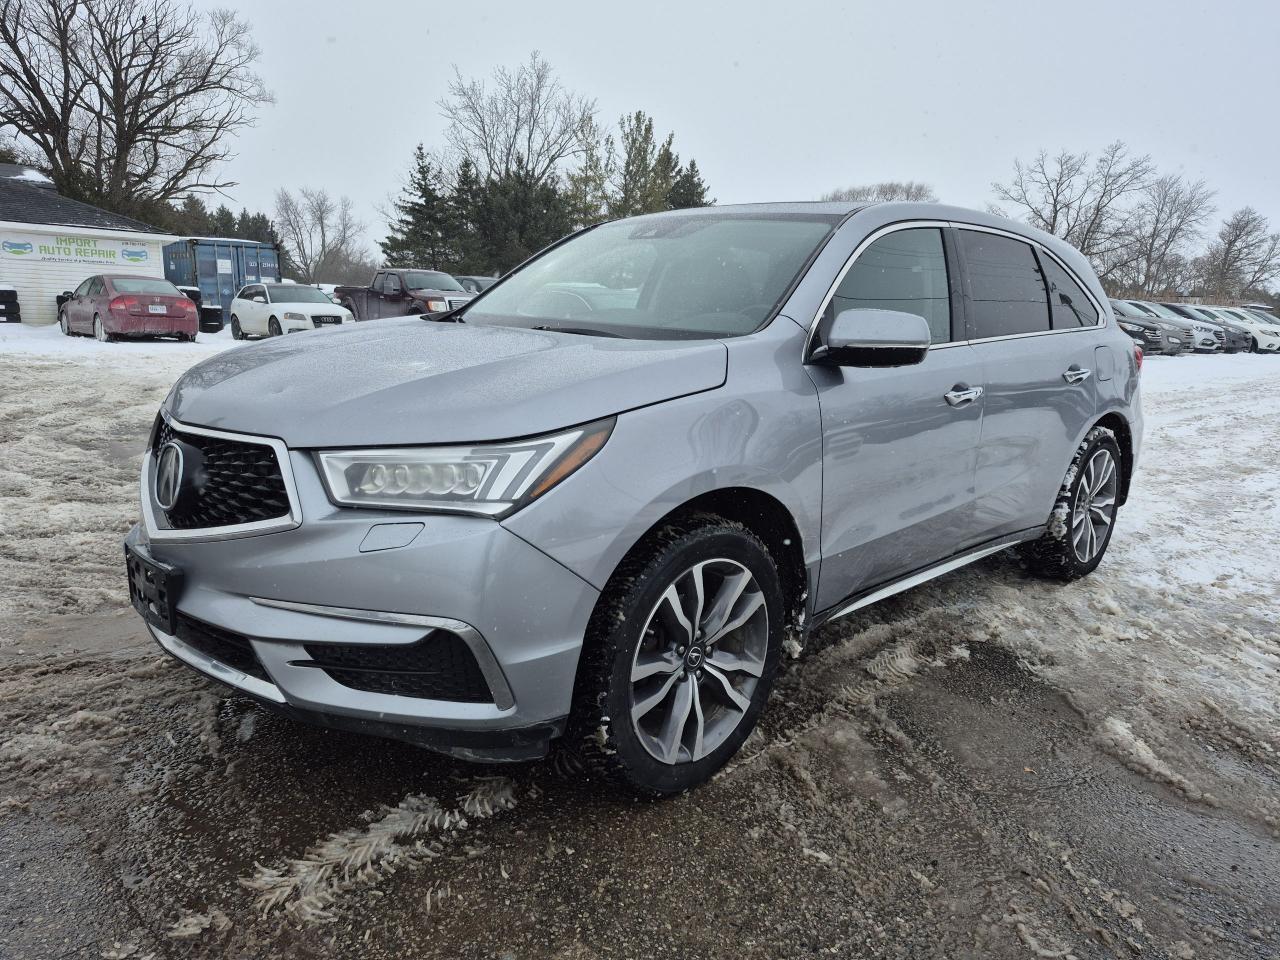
(291,293)
(1159,310)
(665,276)
(429,280)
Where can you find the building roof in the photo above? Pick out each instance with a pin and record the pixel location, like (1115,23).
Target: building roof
(23,199)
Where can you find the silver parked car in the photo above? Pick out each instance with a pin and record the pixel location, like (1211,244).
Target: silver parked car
(602,500)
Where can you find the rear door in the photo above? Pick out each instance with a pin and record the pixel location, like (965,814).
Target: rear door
(1039,365)
(898,456)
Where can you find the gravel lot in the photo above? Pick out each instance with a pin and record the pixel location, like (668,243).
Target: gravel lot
(988,766)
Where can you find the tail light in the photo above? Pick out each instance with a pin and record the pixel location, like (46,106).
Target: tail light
(189,308)
(1137,356)
(122,304)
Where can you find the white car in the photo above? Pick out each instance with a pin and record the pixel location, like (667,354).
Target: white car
(1265,333)
(270,309)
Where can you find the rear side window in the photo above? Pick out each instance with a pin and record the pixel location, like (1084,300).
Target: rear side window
(1068,305)
(905,270)
(1008,291)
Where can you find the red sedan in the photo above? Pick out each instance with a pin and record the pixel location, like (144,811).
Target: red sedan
(110,307)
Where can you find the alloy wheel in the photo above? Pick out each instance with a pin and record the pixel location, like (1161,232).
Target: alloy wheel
(62,322)
(1095,506)
(99,332)
(701,654)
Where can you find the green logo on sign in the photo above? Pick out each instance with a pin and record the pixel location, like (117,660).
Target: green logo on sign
(18,249)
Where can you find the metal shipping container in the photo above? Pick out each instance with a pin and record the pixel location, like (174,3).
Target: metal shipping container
(219,267)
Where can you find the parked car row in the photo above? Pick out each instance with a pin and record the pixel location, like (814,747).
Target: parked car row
(1174,328)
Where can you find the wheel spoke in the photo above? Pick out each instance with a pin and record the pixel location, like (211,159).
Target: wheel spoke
(734,663)
(654,664)
(699,598)
(671,735)
(1080,537)
(1104,473)
(671,598)
(722,605)
(644,705)
(723,685)
(700,725)
(747,610)
(1100,515)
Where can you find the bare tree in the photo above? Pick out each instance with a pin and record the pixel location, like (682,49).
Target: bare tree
(1169,216)
(526,125)
(1085,202)
(885,190)
(1244,257)
(318,233)
(126,102)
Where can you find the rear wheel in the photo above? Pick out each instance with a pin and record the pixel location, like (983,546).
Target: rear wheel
(99,331)
(1084,516)
(273,327)
(680,657)
(236,332)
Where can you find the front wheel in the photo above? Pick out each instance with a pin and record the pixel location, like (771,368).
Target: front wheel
(273,327)
(680,657)
(1084,516)
(236,332)
(63,323)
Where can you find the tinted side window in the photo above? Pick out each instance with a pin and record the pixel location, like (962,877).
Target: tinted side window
(391,283)
(377,282)
(83,289)
(906,271)
(1008,289)
(1068,303)
(96,286)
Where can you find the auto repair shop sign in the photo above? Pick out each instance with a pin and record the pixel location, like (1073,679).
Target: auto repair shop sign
(87,250)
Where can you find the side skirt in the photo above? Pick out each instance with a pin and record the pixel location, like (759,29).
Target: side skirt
(864,598)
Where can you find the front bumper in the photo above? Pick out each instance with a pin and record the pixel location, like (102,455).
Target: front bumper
(377,581)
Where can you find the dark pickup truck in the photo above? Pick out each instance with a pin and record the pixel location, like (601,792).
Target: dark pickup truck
(401,293)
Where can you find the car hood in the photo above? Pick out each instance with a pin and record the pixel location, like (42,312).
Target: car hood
(417,382)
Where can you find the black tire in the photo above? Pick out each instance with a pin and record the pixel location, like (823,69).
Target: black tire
(602,730)
(236,332)
(273,327)
(100,332)
(64,323)
(1057,554)
(1253,345)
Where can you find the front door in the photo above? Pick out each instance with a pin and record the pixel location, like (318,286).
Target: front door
(1039,365)
(75,307)
(899,443)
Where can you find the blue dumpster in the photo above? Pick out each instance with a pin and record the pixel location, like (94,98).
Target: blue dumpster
(219,267)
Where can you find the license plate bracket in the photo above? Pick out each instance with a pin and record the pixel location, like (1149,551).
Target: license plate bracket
(154,588)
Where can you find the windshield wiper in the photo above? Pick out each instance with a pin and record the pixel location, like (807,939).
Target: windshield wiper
(580,331)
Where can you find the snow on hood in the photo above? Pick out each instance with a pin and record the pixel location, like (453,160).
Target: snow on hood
(412,381)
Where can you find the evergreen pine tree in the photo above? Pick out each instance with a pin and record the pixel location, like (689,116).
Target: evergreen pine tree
(223,222)
(421,235)
(688,189)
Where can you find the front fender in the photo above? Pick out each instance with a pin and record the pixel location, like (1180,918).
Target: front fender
(761,430)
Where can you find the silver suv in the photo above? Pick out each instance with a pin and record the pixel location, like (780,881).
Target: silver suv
(602,501)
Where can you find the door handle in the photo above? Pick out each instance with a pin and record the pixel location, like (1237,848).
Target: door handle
(962,394)
(1076,374)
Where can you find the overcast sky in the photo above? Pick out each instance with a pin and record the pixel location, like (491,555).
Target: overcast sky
(781,101)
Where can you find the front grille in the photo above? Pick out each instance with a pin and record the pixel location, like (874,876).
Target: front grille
(439,667)
(232,649)
(239,482)
(456,302)
(326,319)
(1220,336)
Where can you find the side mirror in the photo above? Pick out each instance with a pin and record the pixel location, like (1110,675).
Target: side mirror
(874,338)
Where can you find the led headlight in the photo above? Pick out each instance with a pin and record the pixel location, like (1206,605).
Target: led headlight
(435,305)
(297,317)
(1172,328)
(491,479)
(1130,326)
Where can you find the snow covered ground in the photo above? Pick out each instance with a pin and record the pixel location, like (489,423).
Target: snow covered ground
(908,792)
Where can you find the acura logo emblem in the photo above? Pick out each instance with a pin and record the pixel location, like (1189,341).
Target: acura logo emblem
(695,657)
(169,475)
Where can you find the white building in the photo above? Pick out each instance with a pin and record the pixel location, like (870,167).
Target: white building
(50,243)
